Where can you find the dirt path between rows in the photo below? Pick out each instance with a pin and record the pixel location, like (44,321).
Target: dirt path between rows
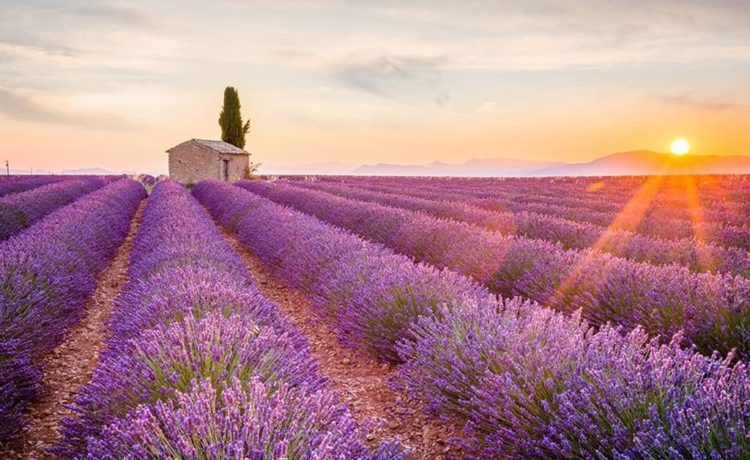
(71,364)
(358,378)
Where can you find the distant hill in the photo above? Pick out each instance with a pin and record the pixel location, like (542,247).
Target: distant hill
(647,162)
(489,167)
(636,162)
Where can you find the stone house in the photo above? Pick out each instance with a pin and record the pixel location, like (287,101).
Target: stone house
(199,159)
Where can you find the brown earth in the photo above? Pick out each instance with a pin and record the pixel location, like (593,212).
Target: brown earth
(360,379)
(71,365)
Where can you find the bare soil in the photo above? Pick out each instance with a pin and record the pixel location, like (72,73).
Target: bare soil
(360,379)
(71,365)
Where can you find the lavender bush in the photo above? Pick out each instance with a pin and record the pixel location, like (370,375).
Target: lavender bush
(543,196)
(718,199)
(19,383)
(713,310)
(190,332)
(373,294)
(20,210)
(534,384)
(698,256)
(17,184)
(244,421)
(46,273)
(161,361)
(528,381)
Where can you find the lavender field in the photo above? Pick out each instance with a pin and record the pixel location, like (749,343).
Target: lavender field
(354,317)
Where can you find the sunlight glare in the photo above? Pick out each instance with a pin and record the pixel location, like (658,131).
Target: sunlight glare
(680,147)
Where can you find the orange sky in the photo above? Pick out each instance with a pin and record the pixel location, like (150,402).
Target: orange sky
(114,85)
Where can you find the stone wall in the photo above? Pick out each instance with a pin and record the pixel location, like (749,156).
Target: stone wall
(238,164)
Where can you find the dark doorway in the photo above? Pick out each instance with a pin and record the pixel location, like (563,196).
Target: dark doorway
(225,169)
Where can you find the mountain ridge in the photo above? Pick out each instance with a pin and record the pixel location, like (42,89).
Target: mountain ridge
(632,162)
(481,167)
(648,162)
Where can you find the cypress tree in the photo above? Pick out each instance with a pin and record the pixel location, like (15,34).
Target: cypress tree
(230,119)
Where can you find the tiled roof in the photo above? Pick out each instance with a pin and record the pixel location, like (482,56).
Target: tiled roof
(217,146)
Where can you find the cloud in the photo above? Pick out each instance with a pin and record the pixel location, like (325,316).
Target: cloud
(486,107)
(54,26)
(692,102)
(21,107)
(119,13)
(85,47)
(614,19)
(406,79)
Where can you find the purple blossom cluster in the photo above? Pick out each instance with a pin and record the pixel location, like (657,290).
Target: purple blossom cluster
(712,310)
(723,234)
(372,294)
(528,381)
(150,181)
(16,184)
(147,180)
(573,201)
(535,384)
(46,273)
(722,199)
(241,422)
(698,256)
(199,364)
(20,210)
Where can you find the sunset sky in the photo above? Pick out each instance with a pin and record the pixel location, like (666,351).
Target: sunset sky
(116,84)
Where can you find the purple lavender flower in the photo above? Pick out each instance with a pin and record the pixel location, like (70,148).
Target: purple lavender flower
(711,309)
(164,360)
(199,363)
(20,210)
(527,380)
(698,256)
(17,184)
(373,294)
(244,421)
(46,273)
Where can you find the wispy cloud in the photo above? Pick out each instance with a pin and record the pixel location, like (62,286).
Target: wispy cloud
(698,103)
(106,41)
(22,107)
(406,79)
(486,107)
(56,26)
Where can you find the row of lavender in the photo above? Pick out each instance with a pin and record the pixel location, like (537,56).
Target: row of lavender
(671,198)
(199,364)
(716,190)
(20,210)
(721,198)
(46,273)
(687,252)
(712,310)
(632,216)
(528,382)
(16,184)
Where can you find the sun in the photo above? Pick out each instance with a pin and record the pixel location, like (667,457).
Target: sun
(680,146)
